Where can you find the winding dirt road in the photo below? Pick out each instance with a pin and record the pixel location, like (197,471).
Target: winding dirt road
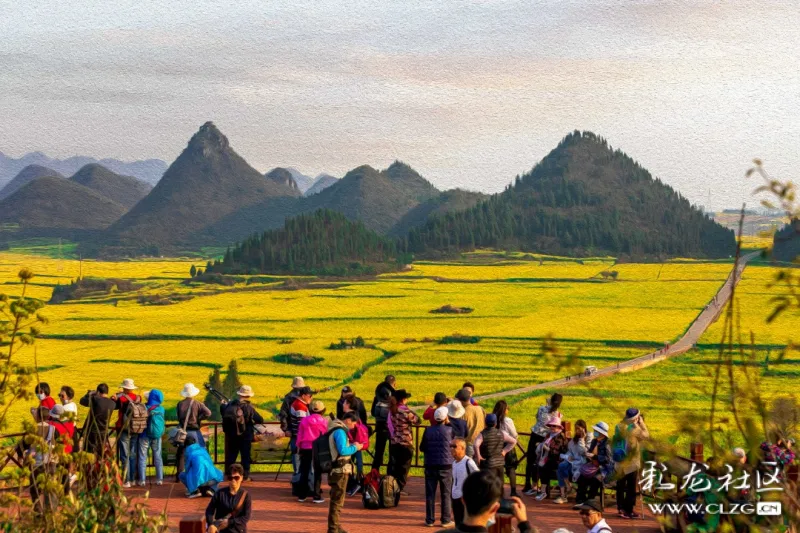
(701,323)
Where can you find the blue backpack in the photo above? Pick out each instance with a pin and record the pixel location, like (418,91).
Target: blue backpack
(620,445)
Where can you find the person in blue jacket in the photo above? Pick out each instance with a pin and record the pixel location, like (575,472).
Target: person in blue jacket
(341,451)
(151,438)
(200,475)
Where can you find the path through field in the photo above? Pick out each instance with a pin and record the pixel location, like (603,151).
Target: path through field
(708,316)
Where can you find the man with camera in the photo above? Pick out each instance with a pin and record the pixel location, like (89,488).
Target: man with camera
(482,499)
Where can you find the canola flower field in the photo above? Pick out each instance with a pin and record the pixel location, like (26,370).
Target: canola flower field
(516,302)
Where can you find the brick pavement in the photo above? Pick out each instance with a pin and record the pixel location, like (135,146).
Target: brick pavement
(275,511)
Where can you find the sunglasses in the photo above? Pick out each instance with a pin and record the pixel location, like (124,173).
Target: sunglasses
(236,478)
(454,446)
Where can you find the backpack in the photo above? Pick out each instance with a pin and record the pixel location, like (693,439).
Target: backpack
(371,493)
(620,446)
(136,415)
(233,418)
(389,492)
(322,453)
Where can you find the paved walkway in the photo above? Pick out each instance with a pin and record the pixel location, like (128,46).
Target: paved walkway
(701,323)
(275,511)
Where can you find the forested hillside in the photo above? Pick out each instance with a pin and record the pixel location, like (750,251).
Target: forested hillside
(583,198)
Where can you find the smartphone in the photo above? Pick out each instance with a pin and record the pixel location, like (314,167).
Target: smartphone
(506,506)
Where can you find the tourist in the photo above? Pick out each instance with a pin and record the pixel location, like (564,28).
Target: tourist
(239,418)
(570,466)
(463,466)
(190,414)
(538,434)
(625,446)
(380,411)
(67,396)
(101,408)
(356,403)
(548,454)
(359,434)
(42,391)
(127,440)
(473,416)
(598,467)
(471,388)
(435,445)
(401,447)
(42,464)
(229,508)
(152,437)
(776,457)
(63,428)
(342,467)
(200,476)
(286,405)
(482,492)
(592,517)
(439,399)
(455,418)
(491,447)
(311,427)
(285,419)
(297,412)
(506,425)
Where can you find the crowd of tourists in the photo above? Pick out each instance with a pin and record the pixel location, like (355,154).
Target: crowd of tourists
(468,451)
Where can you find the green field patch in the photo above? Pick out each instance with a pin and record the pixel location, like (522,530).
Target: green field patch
(296,359)
(377,296)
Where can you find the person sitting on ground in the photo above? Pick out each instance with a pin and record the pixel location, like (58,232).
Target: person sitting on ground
(626,453)
(67,395)
(435,445)
(439,399)
(598,467)
(491,447)
(356,404)
(200,476)
(482,492)
(229,508)
(570,466)
(401,446)
(455,418)
(538,433)
(548,455)
(311,427)
(341,453)
(42,392)
(592,517)
(475,418)
(471,388)
(359,434)
(463,466)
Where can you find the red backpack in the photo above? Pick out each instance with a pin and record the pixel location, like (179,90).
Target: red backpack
(372,489)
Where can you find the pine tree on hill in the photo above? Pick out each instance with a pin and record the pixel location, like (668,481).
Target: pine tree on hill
(231,383)
(211,401)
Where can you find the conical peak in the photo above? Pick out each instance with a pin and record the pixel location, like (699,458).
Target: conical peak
(209,137)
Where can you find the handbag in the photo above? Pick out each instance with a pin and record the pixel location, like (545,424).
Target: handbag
(589,470)
(177,435)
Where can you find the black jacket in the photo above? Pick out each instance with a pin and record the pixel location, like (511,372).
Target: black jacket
(362,411)
(222,505)
(380,404)
(251,418)
(284,415)
(100,412)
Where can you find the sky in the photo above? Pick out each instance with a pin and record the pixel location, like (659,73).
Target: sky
(468,93)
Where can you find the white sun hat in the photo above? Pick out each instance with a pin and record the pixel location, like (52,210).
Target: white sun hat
(190,391)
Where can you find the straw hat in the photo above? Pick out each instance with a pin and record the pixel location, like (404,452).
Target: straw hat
(455,409)
(601,427)
(317,406)
(298,382)
(190,391)
(245,391)
(128,384)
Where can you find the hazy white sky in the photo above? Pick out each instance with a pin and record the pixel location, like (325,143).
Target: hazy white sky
(468,93)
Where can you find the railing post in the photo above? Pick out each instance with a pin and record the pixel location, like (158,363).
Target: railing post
(696,452)
(216,443)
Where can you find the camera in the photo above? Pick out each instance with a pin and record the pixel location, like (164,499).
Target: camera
(506,506)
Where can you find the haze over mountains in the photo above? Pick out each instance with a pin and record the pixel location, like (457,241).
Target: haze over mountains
(148,170)
(583,198)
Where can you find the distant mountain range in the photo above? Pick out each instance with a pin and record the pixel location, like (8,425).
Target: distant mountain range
(148,170)
(583,198)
